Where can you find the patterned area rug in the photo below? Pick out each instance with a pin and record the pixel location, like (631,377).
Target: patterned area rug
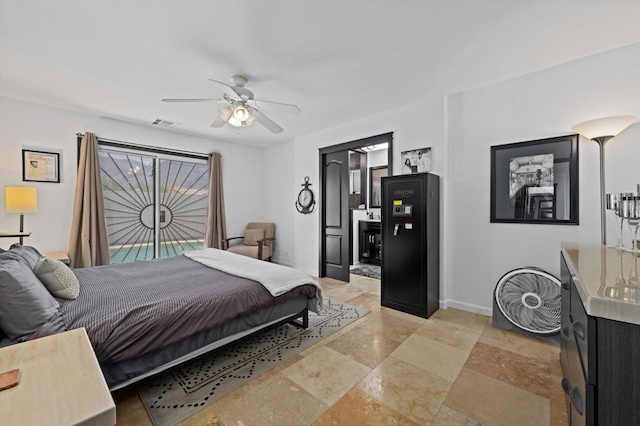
(371,271)
(184,390)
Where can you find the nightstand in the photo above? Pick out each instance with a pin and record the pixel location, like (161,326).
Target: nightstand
(61,383)
(59,255)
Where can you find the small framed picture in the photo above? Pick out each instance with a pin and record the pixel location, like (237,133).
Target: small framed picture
(416,161)
(40,166)
(535,181)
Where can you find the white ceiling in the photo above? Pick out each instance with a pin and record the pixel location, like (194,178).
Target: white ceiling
(337,60)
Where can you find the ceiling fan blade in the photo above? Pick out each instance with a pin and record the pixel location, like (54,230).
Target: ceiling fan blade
(192,100)
(275,106)
(228,90)
(266,121)
(222,117)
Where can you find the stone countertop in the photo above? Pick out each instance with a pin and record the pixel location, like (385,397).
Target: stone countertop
(606,280)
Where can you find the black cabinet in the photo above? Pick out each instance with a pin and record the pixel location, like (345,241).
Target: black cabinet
(600,361)
(411,238)
(370,242)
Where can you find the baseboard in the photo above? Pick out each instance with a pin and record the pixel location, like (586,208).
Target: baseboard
(466,307)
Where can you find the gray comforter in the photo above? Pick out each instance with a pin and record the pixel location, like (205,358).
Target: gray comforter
(131,309)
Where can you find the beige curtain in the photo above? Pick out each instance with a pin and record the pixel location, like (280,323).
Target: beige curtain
(88,245)
(216,227)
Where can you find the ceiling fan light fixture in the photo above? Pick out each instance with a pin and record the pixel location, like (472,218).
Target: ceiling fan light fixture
(240,113)
(241,109)
(240,123)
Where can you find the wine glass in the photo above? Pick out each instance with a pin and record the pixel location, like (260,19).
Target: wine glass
(633,275)
(613,203)
(629,208)
(620,278)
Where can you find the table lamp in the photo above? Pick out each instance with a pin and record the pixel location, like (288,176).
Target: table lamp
(601,130)
(20,199)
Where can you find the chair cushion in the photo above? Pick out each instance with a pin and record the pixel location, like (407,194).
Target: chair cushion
(250,251)
(252,236)
(57,278)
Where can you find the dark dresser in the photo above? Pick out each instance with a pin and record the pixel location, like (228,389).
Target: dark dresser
(600,335)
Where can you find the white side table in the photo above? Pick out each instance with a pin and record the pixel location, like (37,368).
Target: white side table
(61,383)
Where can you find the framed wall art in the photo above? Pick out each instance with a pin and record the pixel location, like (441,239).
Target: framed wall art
(535,181)
(416,161)
(40,166)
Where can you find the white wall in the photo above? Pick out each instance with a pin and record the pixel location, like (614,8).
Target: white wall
(24,124)
(539,105)
(279,207)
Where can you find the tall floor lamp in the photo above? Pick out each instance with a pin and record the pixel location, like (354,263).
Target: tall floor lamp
(20,199)
(602,130)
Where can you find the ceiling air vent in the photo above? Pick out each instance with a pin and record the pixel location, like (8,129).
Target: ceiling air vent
(166,123)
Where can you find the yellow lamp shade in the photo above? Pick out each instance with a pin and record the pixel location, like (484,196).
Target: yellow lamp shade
(20,199)
(604,127)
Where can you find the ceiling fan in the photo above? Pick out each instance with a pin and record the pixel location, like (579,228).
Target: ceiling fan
(242,109)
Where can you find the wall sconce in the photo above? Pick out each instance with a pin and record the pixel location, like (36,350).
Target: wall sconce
(20,199)
(602,130)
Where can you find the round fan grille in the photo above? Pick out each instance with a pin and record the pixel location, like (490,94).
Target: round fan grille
(529,298)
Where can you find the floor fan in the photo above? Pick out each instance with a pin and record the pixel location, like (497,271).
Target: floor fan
(527,300)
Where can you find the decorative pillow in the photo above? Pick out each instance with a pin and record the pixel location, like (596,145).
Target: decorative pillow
(252,236)
(25,304)
(28,255)
(57,278)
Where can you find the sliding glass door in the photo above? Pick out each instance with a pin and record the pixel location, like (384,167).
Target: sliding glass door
(184,192)
(155,206)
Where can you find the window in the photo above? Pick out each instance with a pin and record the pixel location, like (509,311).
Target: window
(155,204)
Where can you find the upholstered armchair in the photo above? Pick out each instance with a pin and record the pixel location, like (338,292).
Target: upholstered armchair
(257,241)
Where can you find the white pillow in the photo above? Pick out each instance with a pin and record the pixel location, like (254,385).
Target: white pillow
(57,278)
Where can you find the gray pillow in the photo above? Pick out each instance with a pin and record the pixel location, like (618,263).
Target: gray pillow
(25,303)
(57,278)
(28,255)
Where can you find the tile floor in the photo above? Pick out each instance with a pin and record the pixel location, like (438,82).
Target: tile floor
(390,368)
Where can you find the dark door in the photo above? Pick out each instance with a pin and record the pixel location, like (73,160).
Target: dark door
(335,224)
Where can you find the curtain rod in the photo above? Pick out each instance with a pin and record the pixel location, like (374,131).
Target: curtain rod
(122,144)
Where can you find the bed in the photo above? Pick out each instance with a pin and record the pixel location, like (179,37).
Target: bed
(148,316)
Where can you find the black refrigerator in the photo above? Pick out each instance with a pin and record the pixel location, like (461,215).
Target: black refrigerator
(411,243)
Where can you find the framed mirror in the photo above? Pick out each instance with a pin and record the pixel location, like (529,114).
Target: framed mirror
(375,187)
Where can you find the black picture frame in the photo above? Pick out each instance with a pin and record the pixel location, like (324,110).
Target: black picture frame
(40,166)
(535,182)
(375,185)
(416,161)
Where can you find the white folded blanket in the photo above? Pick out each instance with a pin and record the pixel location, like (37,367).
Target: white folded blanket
(277,279)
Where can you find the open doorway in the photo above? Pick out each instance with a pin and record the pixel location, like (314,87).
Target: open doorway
(350,204)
